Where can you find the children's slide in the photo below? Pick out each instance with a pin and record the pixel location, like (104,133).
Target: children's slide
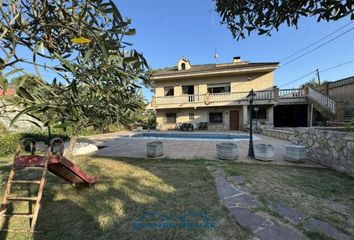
(57,164)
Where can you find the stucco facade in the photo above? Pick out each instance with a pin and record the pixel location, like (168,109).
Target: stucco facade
(239,83)
(185,94)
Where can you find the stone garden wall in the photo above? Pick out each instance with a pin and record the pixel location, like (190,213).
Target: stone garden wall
(278,133)
(333,149)
(23,124)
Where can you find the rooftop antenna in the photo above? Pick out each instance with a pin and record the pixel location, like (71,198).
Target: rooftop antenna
(216,55)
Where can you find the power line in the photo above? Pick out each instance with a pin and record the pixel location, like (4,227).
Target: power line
(332,39)
(297,79)
(312,72)
(338,65)
(310,45)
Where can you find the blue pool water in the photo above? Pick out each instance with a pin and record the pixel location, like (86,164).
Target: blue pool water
(192,136)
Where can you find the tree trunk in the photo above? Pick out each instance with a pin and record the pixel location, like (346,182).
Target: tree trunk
(72,143)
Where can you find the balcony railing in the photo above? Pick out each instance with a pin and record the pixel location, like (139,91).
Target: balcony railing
(292,93)
(213,98)
(284,96)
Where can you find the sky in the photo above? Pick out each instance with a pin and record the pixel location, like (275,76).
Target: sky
(167,30)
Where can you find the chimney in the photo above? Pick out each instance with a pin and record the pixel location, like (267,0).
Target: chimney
(236,59)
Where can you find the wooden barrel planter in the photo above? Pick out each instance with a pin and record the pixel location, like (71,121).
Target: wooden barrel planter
(154,149)
(295,153)
(227,151)
(264,152)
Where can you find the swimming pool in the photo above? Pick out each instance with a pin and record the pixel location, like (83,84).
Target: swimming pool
(192,136)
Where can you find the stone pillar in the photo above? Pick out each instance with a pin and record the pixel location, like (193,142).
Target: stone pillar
(244,116)
(271,116)
(339,111)
(276,92)
(309,115)
(325,86)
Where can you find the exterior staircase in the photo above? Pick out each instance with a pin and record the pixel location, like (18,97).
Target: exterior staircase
(321,102)
(348,115)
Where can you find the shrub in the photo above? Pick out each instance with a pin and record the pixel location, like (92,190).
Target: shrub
(2,128)
(350,125)
(8,141)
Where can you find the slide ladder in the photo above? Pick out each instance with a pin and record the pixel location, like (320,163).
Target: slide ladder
(31,162)
(55,163)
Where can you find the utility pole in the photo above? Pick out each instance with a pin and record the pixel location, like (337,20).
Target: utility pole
(318,77)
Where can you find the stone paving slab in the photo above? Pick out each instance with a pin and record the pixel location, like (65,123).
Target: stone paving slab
(290,214)
(239,201)
(231,201)
(247,219)
(238,180)
(225,189)
(278,231)
(325,228)
(244,188)
(118,146)
(247,201)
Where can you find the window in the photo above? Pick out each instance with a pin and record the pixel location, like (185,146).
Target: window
(219,88)
(183,66)
(261,113)
(215,117)
(191,116)
(188,89)
(170,117)
(169,91)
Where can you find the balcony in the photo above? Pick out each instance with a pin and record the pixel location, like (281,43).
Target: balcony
(274,96)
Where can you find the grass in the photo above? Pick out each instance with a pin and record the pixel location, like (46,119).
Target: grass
(130,187)
(319,193)
(127,188)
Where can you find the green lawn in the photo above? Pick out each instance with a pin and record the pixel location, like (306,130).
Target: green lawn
(319,193)
(127,188)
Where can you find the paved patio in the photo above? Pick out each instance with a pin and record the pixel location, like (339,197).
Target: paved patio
(118,146)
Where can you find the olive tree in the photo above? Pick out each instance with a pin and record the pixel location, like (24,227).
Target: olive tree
(245,16)
(95,72)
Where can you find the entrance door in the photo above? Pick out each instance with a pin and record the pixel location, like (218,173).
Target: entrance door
(234,120)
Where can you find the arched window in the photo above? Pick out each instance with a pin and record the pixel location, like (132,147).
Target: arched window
(183,66)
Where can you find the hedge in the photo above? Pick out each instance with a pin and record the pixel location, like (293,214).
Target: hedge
(8,141)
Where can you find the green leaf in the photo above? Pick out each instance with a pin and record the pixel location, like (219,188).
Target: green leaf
(24,111)
(64,125)
(87,55)
(74,88)
(66,63)
(24,93)
(3,82)
(50,122)
(22,81)
(116,11)
(75,113)
(13,72)
(130,32)
(31,121)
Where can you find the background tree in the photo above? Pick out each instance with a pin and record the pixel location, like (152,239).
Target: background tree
(312,83)
(245,16)
(27,81)
(95,73)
